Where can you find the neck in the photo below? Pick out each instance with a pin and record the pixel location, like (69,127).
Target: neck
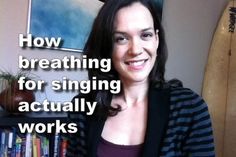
(135,93)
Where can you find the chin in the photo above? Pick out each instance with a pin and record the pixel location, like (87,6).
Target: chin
(138,78)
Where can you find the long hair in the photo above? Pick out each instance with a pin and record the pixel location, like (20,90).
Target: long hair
(100,45)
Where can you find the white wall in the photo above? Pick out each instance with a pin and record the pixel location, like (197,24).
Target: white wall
(189,27)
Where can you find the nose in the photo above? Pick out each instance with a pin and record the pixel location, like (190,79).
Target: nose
(135,47)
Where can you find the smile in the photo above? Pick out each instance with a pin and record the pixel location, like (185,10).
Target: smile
(136,64)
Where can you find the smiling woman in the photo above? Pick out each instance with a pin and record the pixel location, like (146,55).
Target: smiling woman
(150,117)
(135,44)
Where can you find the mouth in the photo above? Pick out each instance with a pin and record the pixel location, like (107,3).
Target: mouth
(136,64)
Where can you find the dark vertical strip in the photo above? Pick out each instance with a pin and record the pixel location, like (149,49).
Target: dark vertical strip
(159,5)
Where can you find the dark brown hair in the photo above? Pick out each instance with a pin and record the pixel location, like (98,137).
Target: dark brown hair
(100,45)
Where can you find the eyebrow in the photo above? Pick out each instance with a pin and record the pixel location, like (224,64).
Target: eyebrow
(143,30)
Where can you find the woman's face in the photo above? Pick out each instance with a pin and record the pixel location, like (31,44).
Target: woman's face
(135,43)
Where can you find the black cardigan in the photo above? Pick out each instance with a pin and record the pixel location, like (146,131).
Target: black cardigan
(161,108)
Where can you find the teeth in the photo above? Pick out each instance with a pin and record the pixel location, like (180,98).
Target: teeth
(137,63)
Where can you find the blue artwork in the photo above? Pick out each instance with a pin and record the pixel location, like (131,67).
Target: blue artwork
(69,19)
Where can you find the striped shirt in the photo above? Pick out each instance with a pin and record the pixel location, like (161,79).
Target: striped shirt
(188,133)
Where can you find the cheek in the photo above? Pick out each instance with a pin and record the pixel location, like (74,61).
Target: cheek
(155,46)
(116,58)
(152,48)
(118,53)
(114,53)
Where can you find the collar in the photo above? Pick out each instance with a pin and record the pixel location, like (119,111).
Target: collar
(158,113)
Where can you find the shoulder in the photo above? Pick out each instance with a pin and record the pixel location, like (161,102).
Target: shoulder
(185,95)
(186,102)
(190,121)
(182,101)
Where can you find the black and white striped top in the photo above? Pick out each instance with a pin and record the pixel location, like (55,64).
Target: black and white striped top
(188,133)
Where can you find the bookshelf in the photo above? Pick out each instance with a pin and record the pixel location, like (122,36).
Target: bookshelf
(12,141)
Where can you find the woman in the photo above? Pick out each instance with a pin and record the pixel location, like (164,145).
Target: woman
(149,117)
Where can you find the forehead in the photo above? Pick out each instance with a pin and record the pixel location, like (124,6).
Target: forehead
(135,16)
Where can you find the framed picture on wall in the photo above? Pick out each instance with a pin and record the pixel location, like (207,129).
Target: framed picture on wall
(69,19)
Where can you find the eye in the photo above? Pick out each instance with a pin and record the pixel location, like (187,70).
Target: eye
(120,39)
(146,35)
